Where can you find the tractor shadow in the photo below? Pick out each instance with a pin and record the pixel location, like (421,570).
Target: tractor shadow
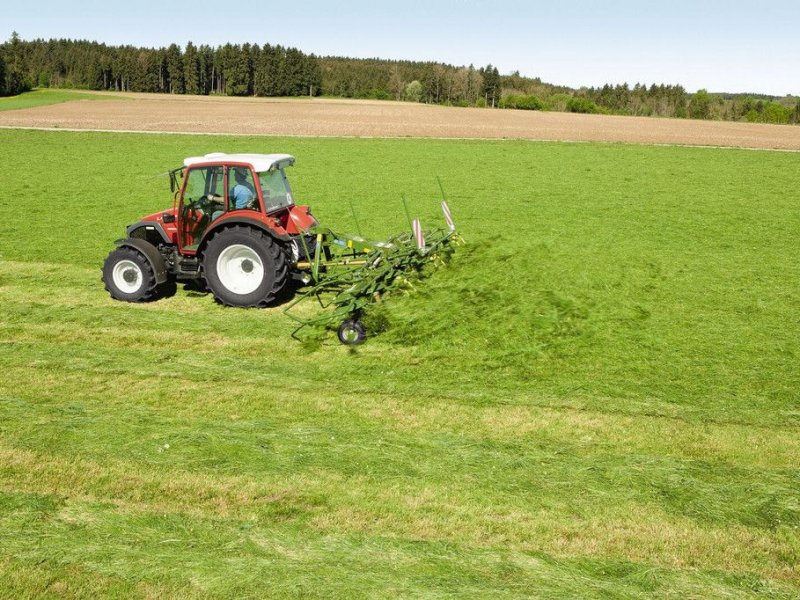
(198,289)
(195,289)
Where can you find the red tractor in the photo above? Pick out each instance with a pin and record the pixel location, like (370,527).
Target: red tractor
(234,223)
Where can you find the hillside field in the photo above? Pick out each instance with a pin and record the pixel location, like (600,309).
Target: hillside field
(340,117)
(46,97)
(598,397)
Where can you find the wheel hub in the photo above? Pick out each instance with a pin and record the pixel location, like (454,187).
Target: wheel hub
(350,334)
(240,269)
(127,276)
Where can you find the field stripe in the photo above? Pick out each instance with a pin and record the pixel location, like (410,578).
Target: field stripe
(389,137)
(429,513)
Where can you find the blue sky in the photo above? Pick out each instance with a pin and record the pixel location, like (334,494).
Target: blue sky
(721,45)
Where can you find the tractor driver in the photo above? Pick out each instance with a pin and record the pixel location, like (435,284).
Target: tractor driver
(243,192)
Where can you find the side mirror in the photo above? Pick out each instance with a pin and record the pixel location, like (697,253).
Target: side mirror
(168,218)
(174,185)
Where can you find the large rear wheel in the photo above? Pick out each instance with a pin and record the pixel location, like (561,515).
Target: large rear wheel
(244,267)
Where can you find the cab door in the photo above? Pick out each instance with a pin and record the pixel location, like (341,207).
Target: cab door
(202,201)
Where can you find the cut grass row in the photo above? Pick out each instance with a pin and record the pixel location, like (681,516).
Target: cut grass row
(598,397)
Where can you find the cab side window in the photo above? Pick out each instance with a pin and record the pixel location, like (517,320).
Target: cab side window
(241,189)
(202,183)
(195,185)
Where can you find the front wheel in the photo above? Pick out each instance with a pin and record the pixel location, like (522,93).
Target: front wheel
(244,267)
(128,276)
(351,332)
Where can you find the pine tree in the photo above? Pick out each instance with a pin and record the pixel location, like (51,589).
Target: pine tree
(191,70)
(293,73)
(15,82)
(313,76)
(264,78)
(491,85)
(174,68)
(2,76)
(237,70)
(206,59)
(396,83)
(255,54)
(281,72)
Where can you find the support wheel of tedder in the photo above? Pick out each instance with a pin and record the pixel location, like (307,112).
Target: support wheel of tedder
(128,276)
(351,332)
(244,266)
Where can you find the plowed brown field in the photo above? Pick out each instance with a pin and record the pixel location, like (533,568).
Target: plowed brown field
(328,117)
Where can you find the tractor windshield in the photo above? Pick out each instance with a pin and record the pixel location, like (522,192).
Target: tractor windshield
(275,189)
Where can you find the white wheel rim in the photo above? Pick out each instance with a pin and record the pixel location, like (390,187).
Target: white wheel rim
(127,276)
(240,269)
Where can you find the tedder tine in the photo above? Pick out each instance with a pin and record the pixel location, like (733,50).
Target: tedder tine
(419,235)
(355,218)
(405,207)
(448,216)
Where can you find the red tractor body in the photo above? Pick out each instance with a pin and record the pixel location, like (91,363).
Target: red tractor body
(221,201)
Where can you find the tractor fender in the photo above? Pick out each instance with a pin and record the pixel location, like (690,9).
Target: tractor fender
(241,221)
(151,253)
(149,226)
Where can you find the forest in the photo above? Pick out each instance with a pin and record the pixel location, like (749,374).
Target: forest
(274,70)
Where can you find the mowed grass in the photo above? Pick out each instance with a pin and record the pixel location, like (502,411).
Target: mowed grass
(598,397)
(45,96)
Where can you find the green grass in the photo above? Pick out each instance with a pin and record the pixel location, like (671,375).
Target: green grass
(597,398)
(45,96)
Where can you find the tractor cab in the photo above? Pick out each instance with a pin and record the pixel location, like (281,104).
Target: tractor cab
(221,187)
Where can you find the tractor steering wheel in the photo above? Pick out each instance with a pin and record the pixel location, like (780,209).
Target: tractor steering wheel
(209,203)
(212,199)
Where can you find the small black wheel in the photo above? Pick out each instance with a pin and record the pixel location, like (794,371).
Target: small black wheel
(128,276)
(351,332)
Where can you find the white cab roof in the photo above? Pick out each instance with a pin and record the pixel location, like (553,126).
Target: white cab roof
(260,162)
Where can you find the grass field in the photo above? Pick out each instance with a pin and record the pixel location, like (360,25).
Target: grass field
(45,96)
(597,398)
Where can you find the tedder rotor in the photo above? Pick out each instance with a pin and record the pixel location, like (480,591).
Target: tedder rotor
(234,226)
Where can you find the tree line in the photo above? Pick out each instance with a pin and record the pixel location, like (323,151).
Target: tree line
(232,69)
(655,100)
(430,82)
(274,70)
